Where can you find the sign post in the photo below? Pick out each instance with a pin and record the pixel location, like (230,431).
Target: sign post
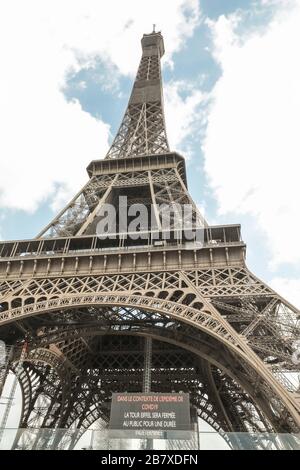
(150,416)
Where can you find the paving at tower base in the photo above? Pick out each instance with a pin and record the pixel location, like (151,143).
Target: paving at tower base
(129,322)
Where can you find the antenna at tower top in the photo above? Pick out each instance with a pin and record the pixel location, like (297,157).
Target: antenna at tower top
(154,26)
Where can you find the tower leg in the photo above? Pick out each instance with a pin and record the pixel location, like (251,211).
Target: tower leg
(147,378)
(147,365)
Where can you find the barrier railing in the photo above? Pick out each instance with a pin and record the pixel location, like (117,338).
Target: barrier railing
(95,439)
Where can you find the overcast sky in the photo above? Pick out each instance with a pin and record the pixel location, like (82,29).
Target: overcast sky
(231,80)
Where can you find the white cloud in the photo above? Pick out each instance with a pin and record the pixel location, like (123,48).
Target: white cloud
(45,141)
(288,288)
(252,146)
(182,109)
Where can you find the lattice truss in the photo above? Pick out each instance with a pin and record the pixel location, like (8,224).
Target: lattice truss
(168,190)
(269,325)
(143,130)
(218,332)
(79,357)
(258,315)
(71,219)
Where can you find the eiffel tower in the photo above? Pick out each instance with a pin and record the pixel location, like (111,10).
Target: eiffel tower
(86,315)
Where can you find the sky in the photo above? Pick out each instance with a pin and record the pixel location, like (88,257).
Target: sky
(232,101)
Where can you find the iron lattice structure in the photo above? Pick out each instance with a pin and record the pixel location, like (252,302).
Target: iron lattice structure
(86,306)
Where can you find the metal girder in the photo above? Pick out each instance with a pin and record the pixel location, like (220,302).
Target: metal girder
(86,306)
(143,130)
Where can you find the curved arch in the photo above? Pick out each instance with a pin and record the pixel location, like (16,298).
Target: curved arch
(16,302)
(201,319)
(176,338)
(39,356)
(206,319)
(206,349)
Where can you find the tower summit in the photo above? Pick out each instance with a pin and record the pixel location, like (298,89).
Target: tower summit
(85,313)
(143,130)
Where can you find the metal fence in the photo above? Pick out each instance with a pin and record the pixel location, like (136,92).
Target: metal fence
(95,439)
